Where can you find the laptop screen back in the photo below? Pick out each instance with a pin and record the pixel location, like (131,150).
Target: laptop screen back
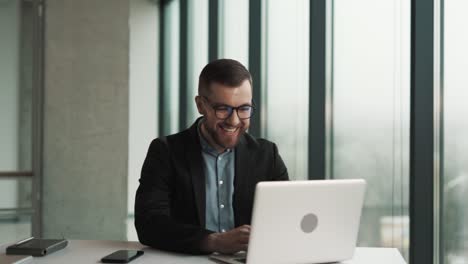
(305,221)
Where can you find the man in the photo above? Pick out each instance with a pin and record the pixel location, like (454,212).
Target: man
(197,186)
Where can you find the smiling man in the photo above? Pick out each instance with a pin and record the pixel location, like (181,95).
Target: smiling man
(197,186)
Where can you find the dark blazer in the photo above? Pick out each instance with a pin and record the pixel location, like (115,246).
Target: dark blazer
(170,201)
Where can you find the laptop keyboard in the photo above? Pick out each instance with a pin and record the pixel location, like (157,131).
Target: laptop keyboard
(242,260)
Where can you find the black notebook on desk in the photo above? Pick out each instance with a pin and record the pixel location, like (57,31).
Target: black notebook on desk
(36,247)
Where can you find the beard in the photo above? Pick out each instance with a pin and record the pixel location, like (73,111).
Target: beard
(224,141)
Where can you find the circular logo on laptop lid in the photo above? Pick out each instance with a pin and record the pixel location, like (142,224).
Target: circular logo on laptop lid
(309,223)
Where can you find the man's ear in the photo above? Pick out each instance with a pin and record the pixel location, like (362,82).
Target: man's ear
(200,106)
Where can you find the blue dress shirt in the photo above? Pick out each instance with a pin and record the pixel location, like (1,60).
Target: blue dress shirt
(219,183)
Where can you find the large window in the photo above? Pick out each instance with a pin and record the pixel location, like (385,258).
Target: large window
(454,225)
(234,30)
(143,83)
(368,96)
(169,114)
(370,126)
(287,82)
(16,116)
(197,52)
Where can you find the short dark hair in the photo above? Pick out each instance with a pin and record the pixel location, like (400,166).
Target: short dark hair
(223,71)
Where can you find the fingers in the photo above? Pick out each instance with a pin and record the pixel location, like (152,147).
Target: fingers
(244,247)
(234,240)
(243,240)
(244,234)
(244,229)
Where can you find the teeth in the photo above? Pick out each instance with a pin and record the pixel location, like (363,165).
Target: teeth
(229,129)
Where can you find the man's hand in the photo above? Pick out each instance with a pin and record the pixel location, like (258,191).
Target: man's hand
(229,242)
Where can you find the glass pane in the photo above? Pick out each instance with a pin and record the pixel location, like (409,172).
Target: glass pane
(287,84)
(15,209)
(371,95)
(197,52)
(455,143)
(16,71)
(16,86)
(234,30)
(171,39)
(143,96)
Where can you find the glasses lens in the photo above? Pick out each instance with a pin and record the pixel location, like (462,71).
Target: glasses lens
(244,112)
(223,112)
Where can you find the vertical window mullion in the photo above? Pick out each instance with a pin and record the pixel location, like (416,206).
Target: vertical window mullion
(255,63)
(38,116)
(183,65)
(162,77)
(213,30)
(422,133)
(317,87)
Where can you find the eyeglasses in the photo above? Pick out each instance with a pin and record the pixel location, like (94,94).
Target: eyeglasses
(223,112)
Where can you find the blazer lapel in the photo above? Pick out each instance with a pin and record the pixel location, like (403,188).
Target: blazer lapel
(194,158)
(242,165)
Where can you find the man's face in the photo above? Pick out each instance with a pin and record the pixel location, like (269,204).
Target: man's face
(225,133)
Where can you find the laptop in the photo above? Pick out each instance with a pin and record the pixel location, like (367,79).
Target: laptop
(313,221)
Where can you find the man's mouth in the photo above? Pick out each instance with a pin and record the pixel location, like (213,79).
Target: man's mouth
(229,129)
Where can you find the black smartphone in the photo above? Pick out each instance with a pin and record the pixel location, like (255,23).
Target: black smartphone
(122,256)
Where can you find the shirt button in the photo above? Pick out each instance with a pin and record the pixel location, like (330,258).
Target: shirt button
(221,206)
(221,182)
(223,230)
(220,158)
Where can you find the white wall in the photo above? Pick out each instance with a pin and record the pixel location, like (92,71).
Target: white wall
(143,97)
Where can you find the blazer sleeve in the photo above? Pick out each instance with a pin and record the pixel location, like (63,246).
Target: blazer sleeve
(280,173)
(154,224)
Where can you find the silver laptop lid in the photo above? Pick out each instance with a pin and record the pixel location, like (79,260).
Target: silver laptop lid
(305,221)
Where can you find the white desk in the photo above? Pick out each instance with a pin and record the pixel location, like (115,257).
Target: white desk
(91,251)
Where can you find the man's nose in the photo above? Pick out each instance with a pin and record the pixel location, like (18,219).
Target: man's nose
(233,119)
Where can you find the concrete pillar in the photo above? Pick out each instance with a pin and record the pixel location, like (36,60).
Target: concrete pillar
(86,119)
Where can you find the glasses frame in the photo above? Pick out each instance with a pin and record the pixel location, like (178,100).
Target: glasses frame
(230,109)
